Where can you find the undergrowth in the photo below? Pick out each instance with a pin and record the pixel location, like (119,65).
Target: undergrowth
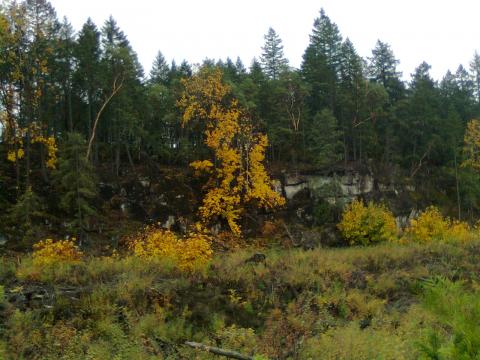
(351,303)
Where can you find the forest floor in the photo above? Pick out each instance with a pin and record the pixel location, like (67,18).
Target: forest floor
(347,303)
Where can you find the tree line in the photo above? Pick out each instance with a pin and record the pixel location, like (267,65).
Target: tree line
(74,105)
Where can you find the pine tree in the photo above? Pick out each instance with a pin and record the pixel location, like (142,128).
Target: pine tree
(351,99)
(124,118)
(422,125)
(324,139)
(256,72)
(26,216)
(76,183)
(64,57)
(241,70)
(87,77)
(475,71)
(321,63)
(185,70)
(382,69)
(160,70)
(272,59)
(326,41)
(465,97)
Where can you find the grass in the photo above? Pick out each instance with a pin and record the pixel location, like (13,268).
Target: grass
(350,303)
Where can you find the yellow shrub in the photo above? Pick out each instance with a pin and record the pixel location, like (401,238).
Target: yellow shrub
(47,252)
(364,225)
(431,225)
(195,250)
(155,244)
(461,231)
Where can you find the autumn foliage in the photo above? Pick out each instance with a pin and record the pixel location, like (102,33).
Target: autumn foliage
(471,146)
(48,252)
(431,225)
(237,175)
(17,151)
(367,224)
(188,254)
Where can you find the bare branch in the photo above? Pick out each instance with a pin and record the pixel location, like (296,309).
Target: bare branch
(217,351)
(420,162)
(115,90)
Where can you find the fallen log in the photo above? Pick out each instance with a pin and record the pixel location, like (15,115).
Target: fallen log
(217,351)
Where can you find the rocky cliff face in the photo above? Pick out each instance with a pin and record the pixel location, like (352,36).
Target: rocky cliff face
(171,199)
(346,187)
(305,192)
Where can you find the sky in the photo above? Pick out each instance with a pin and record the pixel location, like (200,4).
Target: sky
(444,33)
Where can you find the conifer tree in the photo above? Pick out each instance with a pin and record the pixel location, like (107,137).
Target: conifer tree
(351,98)
(123,117)
(422,128)
(76,183)
(160,70)
(241,70)
(325,139)
(87,77)
(185,70)
(272,59)
(64,72)
(382,69)
(26,216)
(475,71)
(321,63)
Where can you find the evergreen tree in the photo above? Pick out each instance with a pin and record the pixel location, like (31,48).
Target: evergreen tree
(65,60)
(87,73)
(256,72)
(185,70)
(326,41)
(26,216)
(241,70)
(351,99)
(382,69)
(160,70)
(421,140)
(324,139)
(475,71)
(123,123)
(321,63)
(76,183)
(272,59)
(465,98)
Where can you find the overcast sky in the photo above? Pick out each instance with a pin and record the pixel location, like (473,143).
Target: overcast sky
(445,33)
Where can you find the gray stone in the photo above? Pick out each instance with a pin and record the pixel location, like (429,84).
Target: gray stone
(351,185)
(169,223)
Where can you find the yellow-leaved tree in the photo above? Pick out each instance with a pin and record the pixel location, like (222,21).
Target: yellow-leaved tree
(238,178)
(471,146)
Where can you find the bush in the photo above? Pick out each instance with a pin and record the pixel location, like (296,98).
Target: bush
(189,253)
(48,252)
(365,225)
(431,225)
